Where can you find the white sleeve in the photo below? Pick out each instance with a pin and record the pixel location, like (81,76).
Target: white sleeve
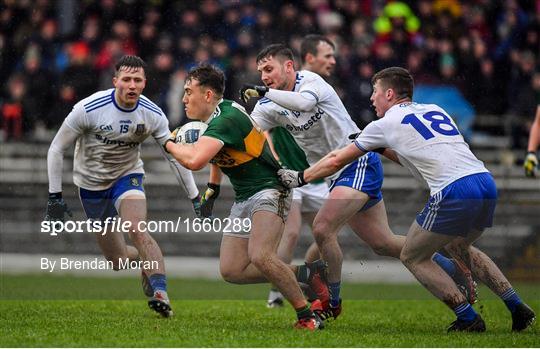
(304,100)
(262,119)
(182,174)
(64,138)
(372,137)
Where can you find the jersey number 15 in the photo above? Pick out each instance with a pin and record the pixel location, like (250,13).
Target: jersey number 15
(437,121)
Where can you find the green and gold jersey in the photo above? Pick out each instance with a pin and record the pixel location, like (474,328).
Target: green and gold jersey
(245,157)
(290,154)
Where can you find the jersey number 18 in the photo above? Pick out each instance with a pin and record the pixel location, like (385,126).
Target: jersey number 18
(437,120)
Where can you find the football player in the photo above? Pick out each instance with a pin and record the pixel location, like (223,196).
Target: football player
(108,128)
(310,109)
(235,145)
(463,195)
(318,56)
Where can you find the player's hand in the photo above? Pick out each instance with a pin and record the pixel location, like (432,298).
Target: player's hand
(208,199)
(291,179)
(530,164)
(252,91)
(56,208)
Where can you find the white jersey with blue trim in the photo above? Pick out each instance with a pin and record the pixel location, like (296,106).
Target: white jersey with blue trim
(318,131)
(427,138)
(110,137)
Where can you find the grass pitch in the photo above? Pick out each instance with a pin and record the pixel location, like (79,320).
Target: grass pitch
(67,311)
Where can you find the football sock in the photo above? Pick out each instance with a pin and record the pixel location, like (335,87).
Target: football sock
(334,289)
(302,274)
(158,282)
(445,263)
(465,312)
(304,312)
(511,299)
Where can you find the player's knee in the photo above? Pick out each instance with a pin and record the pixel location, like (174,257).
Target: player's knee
(406,257)
(261,260)
(321,231)
(231,275)
(382,248)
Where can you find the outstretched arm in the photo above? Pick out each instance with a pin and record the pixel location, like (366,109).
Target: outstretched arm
(332,162)
(327,166)
(182,174)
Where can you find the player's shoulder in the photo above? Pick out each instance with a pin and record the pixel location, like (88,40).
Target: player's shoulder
(146,104)
(96,101)
(306,76)
(228,110)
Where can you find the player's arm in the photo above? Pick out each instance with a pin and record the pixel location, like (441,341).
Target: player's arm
(300,101)
(56,207)
(195,155)
(332,163)
(531,160)
(185,179)
(327,166)
(182,174)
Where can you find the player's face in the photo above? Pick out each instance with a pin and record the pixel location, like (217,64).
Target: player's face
(129,84)
(380,98)
(274,72)
(196,101)
(325,60)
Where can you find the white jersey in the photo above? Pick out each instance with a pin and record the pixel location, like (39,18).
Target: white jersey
(110,137)
(428,139)
(318,131)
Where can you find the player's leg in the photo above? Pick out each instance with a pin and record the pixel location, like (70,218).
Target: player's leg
(489,273)
(372,227)
(99,205)
(132,208)
(416,255)
(343,202)
(312,253)
(256,260)
(286,247)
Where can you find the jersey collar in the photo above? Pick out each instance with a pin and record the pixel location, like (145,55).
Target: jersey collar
(215,113)
(119,107)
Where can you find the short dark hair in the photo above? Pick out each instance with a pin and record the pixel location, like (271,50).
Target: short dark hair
(275,50)
(397,78)
(309,45)
(130,62)
(209,76)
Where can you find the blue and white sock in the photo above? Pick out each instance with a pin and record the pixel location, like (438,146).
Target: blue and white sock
(465,312)
(445,263)
(511,299)
(334,289)
(158,282)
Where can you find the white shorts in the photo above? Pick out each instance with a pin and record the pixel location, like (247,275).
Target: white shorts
(272,200)
(311,197)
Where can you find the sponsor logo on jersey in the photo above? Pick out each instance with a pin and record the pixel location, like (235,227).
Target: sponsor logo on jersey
(108,141)
(312,121)
(105,127)
(125,121)
(140,129)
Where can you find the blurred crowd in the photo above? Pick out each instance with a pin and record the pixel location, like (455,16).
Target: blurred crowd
(54,53)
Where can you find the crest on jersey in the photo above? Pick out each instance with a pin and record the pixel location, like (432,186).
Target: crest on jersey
(135,182)
(140,129)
